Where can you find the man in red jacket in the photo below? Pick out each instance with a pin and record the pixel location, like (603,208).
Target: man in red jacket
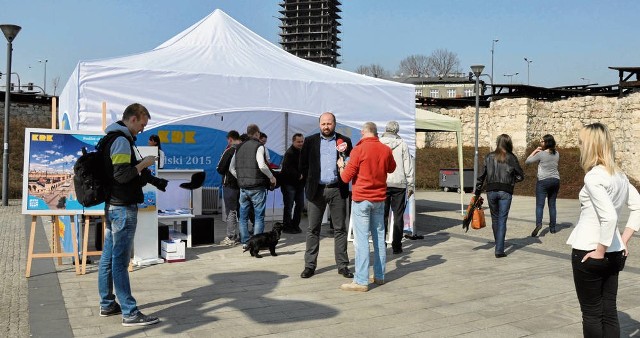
(367,168)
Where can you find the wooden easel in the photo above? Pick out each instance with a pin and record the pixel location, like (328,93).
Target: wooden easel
(56,251)
(85,240)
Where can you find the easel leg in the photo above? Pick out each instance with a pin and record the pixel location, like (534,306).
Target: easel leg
(56,238)
(74,242)
(85,241)
(32,237)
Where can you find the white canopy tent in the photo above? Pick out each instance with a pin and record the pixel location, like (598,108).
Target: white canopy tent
(427,121)
(219,74)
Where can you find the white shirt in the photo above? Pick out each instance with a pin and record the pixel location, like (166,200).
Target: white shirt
(602,198)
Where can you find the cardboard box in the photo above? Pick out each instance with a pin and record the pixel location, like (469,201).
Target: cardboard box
(173,251)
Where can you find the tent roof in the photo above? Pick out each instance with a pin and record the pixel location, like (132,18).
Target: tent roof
(219,45)
(430,121)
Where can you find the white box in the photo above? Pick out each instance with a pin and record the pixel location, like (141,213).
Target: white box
(173,251)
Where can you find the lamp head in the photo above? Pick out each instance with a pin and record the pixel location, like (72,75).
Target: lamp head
(477,69)
(10,31)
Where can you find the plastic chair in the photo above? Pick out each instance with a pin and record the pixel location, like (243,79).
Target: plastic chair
(197,180)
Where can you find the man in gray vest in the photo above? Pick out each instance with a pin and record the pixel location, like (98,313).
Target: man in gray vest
(249,166)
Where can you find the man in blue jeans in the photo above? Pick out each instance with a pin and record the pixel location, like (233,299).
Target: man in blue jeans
(249,165)
(121,210)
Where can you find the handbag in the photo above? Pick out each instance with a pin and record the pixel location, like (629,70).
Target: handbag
(478,220)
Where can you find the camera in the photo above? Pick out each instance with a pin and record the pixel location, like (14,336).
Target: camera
(159,183)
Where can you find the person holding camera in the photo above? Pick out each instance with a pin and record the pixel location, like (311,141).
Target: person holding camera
(548,183)
(121,211)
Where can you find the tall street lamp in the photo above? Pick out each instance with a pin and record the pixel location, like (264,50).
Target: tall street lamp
(10,32)
(511,76)
(493,45)
(528,63)
(477,70)
(44,88)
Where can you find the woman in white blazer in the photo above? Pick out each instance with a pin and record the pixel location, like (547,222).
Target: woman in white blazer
(599,251)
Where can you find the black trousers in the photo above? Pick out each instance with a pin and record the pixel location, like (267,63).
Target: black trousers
(396,201)
(338,207)
(596,282)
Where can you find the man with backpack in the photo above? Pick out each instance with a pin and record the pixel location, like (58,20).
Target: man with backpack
(121,211)
(230,189)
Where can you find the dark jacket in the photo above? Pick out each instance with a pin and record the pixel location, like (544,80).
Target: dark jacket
(228,180)
(500,176)
(248,173)
(290,173)
(126,184)
(310,164)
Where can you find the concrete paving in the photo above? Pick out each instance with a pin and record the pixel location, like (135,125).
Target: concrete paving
(447,284)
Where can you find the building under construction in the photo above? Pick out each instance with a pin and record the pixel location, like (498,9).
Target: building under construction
(309,29)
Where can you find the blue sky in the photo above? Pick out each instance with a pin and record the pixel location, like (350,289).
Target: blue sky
(566,40)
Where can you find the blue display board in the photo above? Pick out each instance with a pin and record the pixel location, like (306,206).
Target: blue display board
(49,157)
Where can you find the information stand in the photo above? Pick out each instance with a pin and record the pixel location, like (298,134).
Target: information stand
(56,250)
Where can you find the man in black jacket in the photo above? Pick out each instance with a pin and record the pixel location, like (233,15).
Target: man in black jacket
(230,189)
(292,186)
(318,165)
(121,211)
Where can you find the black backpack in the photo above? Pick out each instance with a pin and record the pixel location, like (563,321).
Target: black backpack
(91,176)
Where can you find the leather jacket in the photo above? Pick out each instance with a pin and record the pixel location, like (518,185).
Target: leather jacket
(500,176)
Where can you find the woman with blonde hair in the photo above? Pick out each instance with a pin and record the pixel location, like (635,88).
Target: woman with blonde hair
(598,249)
(501,171)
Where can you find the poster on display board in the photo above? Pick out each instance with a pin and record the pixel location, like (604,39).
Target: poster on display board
(47,184)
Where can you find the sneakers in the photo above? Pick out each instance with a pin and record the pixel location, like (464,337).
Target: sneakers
(244,247)
(110,311)
(139,320)
(354,287)
(375,280)
(228,242)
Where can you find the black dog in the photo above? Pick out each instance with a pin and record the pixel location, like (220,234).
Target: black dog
(267,240)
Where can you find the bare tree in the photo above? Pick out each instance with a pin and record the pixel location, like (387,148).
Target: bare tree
(55,82)
(415,65)
(443,63)
(374,70)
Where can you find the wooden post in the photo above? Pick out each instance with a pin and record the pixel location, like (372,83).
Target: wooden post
(56,251)
(54,113)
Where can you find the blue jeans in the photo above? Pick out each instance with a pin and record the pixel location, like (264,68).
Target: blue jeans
(292,194)
(499,205)
(547,188)
(368,217)
(114,262)
(256,198)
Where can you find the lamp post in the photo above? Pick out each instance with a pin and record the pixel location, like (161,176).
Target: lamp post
(18,76)
(586,81)
(477,70)
(44,88)
(528,63)
(10,32)
(511,76)
(493,45)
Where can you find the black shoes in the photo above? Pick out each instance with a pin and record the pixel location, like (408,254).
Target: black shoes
(139,320)
(397,251)
(552,229)
(308,272)
(291,230)
(345,272)
(535,231)
(501,255)
(110,311)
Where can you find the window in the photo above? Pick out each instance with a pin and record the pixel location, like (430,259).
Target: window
(451,93)
(418,92)
(468,92)
(434,93)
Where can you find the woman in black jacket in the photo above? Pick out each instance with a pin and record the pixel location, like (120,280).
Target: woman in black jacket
(501,171)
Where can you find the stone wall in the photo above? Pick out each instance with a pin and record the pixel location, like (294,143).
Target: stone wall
(32,115)
(527,120)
